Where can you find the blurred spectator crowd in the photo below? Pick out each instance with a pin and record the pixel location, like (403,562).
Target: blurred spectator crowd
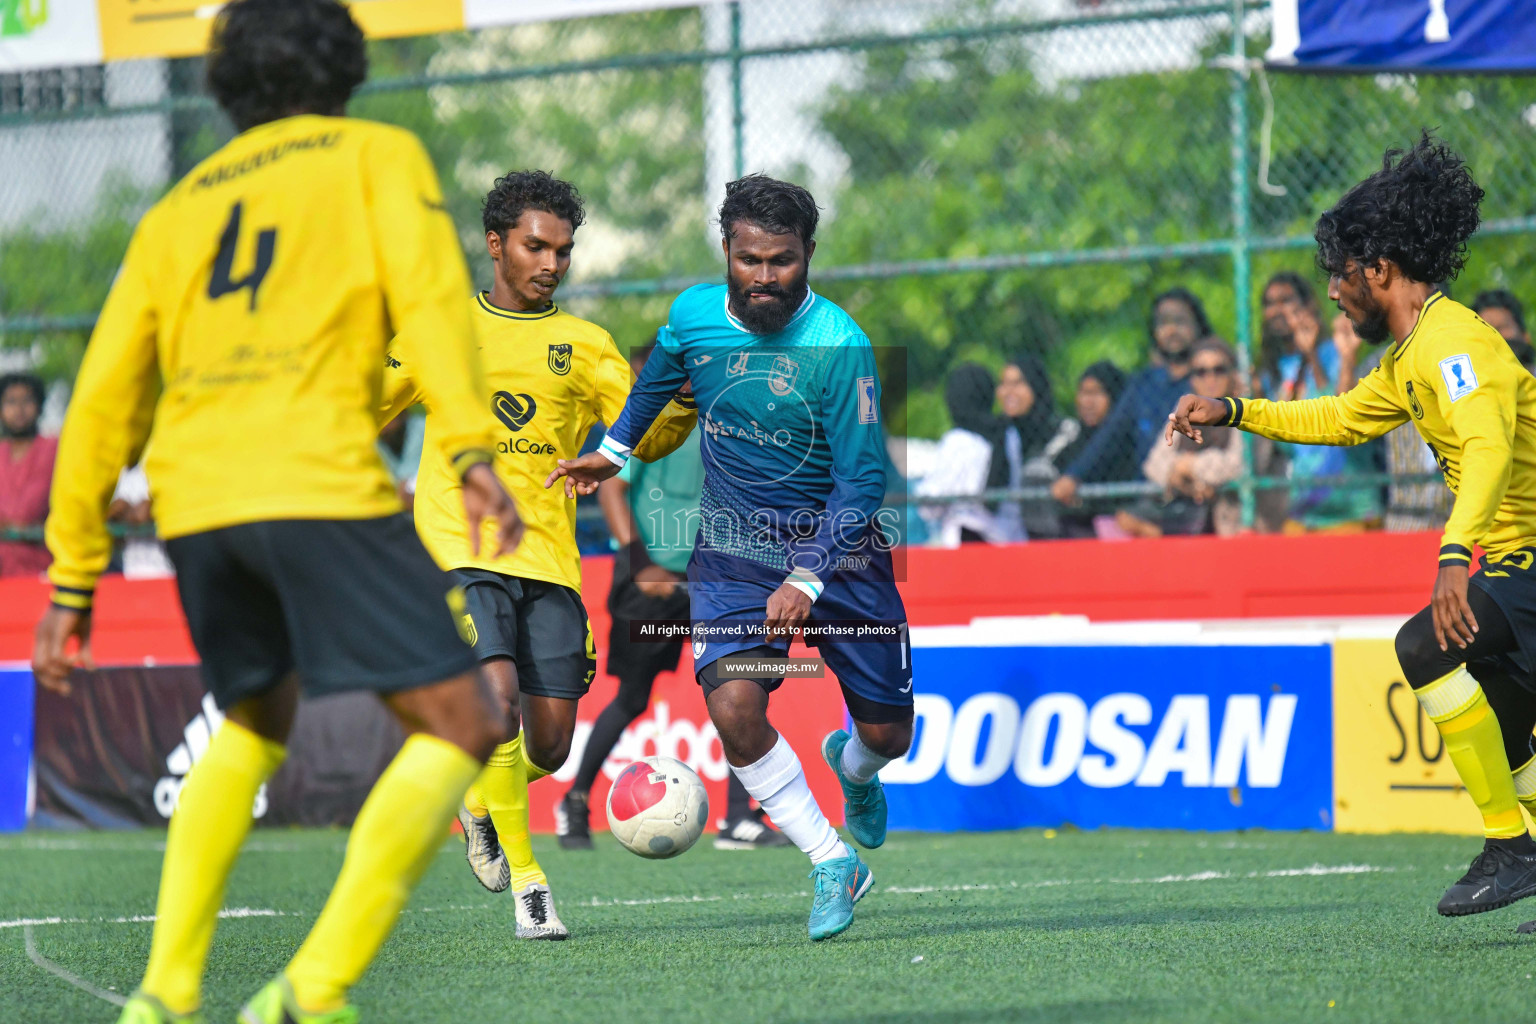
(1008,436)
(1012,467)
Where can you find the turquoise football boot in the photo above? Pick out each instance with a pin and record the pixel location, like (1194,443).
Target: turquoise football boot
(863,802)
(840,883)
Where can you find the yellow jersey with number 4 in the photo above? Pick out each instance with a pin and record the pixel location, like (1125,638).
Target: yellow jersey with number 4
(1471,401)
(244,339)
(550,377)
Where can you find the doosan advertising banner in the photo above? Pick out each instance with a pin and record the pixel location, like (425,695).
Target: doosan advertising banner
(1196,737)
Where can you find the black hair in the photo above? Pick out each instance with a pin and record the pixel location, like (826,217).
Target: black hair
(1110,377)
(516,191)
(968,394)
(780,207)
(1416,212)
(1498,298)
(30,382)
(1298,283)
(1193,304)
(275,58)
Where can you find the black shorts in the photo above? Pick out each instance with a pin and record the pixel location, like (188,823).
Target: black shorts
(348,604)
(628,657)
(1511,582)
(541,626)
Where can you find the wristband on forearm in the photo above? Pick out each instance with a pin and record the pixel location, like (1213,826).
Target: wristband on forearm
(1234,414)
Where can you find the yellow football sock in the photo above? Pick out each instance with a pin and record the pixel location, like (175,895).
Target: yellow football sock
(1459,709)
(504,786)
(394,839)
(1525,785)
(474,800)
(211,821)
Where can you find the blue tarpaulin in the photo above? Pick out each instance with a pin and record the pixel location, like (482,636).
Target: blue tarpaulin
(1449,36)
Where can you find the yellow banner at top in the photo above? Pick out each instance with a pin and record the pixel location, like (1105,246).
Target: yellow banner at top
(59,33)
(179,28)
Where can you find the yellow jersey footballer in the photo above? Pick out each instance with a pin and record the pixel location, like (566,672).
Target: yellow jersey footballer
(549,378)
(242,344)
(1469,654)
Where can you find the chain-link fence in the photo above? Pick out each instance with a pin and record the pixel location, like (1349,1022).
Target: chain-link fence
(1003,180)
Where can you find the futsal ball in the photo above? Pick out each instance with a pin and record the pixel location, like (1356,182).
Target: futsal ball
(657,807)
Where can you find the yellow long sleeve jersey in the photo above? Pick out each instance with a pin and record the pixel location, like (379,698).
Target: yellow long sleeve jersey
(550,377)
(1471,401)
(248,325)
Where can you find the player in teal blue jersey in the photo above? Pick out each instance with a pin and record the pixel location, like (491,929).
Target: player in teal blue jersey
(790,522)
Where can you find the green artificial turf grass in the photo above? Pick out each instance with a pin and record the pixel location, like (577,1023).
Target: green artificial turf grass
(1081,926)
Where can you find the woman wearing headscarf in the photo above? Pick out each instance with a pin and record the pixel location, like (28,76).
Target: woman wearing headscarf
(1099,387)
(963,461)
(1028,426)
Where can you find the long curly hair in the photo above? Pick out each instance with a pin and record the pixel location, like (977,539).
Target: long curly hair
(1418,212)
(275,58)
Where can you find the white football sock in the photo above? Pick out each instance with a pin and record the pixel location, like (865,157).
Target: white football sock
(778,783)
(859,763)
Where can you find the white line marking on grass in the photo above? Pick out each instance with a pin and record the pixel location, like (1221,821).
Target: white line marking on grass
(68,976)
(28,922)
(1311,871)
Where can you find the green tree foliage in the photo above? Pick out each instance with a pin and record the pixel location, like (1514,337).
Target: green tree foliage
(958,150)
(955,150)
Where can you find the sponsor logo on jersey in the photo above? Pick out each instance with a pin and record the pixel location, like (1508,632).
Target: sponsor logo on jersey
(755,433)
(781,378)
(560,359)
(868,412)
(1460,381)
(525,446)
(737,364)
(513,410)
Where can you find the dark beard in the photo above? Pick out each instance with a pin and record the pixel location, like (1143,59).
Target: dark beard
(1373,330)
(24,434)
(771,317)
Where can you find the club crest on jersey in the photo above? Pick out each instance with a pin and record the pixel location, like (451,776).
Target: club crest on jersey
(1413,402)
(781,379)
(560,359)
(1460,381)
(513,410)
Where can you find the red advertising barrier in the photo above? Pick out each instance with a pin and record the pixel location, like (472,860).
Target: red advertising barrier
(140,622)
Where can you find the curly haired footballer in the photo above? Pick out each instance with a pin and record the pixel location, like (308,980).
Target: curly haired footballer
(1417,212)
(517,191)
(270,59)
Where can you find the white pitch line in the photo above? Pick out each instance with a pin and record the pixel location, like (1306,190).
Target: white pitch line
(68,976)
(1314,870)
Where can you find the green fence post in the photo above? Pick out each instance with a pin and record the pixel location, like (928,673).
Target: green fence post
(1242,233)
(737,117)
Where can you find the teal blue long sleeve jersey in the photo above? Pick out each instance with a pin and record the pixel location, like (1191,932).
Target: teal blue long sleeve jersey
(793,449)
